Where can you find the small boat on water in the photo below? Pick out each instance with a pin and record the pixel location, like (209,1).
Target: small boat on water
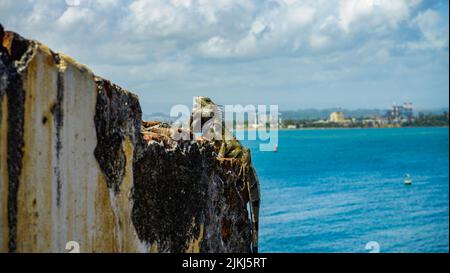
(408,179)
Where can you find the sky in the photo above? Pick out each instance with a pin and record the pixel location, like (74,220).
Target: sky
(292,53)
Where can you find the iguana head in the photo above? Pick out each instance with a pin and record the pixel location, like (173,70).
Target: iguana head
(205,109)
(205,105)
(204,101)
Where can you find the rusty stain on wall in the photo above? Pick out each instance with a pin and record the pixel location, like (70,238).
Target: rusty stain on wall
(34,201)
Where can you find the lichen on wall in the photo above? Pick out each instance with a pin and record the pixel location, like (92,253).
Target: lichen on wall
(187,199)
(74,166)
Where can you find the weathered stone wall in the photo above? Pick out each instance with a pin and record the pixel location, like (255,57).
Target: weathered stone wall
(74,167)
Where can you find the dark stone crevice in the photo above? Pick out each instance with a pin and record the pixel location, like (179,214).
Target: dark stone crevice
(170,190)
(173,188)
(16,101)
(117,115)
(57,111)
(11,82)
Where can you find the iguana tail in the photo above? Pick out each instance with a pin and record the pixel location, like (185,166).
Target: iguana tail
(254,194)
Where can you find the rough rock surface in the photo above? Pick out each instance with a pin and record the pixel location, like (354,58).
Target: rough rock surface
(74,166)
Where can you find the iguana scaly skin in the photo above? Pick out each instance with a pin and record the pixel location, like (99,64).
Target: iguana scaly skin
(209,115)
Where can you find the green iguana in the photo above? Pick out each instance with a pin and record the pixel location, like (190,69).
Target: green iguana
(207,117)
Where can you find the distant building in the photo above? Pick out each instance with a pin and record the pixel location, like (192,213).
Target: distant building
(337,117)
(400,113)
(374,121)
(321,121)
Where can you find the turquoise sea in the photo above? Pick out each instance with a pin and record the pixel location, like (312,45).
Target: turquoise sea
(336,190)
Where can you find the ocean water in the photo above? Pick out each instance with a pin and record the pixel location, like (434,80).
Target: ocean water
(337,190)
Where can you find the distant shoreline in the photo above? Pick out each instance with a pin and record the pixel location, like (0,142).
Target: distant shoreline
(342,128)
(351,128)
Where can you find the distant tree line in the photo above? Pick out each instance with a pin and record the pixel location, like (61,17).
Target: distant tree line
(421,120)
(428,120)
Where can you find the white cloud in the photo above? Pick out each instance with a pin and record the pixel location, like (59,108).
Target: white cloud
(159,17)
(382,14)
(216,46)
(318,41)
(434,32)
(220,28)
(106,3)
(75,16)
(181,3)
(298,15)
(136,42)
